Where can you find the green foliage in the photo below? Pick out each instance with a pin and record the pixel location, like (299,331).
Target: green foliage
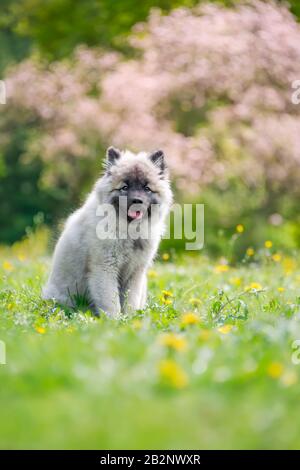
(295,7)
(13,47)
(57,26)
(214,346)
(21,195)
(238,204)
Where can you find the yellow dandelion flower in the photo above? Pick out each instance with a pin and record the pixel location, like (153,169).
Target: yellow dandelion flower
(240,228)
(10,306)
(254,286)
(221,268)
(40,329)
(21,257)
(289,378)
(166,297)
(277,257)
(189,318)
(194,301)
(225,329)
(236,281)
(280,289)
(152,274)
(7,266)
(172,374)
(289,265)
(250,251)
(167,293)
(165,256)
(268,244)
(275,370)
(173,341)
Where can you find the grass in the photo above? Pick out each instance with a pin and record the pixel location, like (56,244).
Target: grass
(207,365)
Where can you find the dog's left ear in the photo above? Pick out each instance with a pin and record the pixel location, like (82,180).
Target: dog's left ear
(158,159)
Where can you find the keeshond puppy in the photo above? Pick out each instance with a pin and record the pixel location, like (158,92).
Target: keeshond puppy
(108,244)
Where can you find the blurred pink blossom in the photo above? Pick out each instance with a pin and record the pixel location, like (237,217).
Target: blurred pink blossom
(211,86)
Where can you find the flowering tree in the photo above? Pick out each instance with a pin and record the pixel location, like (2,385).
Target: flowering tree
(210,85)
(213,87)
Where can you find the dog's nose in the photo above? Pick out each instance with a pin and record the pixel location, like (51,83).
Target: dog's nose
(137,201)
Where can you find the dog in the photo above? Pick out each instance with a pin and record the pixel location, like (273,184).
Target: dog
(106,266)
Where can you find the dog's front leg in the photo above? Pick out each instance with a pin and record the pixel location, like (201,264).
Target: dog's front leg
(143,299)
(136,291)
(104,290)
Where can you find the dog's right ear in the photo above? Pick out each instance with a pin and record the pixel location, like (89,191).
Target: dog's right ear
(112,155)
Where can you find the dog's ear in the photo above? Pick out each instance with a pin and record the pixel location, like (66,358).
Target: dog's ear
(112,155)
(158,159)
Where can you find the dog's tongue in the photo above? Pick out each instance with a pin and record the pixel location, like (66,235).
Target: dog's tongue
(135,215)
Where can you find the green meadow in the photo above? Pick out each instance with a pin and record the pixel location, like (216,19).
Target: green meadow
(210,363)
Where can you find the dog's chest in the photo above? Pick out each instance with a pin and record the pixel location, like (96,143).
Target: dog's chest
(133,255)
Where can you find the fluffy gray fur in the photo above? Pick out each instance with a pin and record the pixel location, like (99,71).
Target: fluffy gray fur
(112,272)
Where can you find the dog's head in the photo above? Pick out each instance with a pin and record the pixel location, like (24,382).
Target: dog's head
(137,182)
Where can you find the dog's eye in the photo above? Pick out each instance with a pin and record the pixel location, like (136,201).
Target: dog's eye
(147,189)
(124,188)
